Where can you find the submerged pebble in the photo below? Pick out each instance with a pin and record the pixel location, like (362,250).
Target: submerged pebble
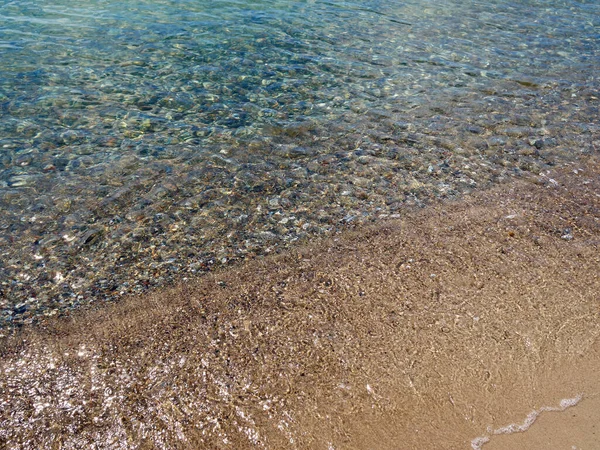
(137,154)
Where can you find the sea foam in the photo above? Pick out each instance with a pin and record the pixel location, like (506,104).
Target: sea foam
(565,403)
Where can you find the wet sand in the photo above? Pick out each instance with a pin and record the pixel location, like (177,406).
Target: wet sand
(432,332)
(574,428)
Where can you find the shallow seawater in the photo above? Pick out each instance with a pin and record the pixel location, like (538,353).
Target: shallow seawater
(145,140)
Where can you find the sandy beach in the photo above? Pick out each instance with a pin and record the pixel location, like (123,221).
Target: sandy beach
(470,324)
(575,427)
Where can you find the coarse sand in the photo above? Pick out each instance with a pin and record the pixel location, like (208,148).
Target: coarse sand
(464,325)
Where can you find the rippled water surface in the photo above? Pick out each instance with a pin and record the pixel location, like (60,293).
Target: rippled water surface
(144,140)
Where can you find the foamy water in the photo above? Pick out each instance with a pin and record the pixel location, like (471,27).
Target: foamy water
(479,442)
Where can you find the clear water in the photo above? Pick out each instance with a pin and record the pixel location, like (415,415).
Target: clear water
(143,140)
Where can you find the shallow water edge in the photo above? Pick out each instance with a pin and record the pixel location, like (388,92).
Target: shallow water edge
(425,330)
(144,144)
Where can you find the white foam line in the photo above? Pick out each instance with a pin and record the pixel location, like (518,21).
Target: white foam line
(565,403)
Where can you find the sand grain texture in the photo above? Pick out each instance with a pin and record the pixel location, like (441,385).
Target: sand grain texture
(416,333)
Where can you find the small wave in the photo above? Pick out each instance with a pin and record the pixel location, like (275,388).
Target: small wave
(565,403)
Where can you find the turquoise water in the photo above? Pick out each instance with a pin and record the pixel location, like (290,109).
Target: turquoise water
(143,141)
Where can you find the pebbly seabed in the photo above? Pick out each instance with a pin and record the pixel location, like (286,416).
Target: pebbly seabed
(146,145)
(445,329)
